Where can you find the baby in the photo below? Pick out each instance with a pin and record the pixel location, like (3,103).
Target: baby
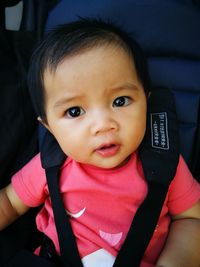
(89,85)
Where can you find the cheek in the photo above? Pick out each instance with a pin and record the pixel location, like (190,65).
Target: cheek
(71,143)
(66,140)
(137,124)
(141,125)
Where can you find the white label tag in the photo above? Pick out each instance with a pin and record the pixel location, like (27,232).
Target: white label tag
(159,130)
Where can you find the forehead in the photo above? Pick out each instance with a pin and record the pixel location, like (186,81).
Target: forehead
(97,57)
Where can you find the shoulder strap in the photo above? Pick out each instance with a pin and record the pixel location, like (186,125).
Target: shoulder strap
(52,158)
(159,154)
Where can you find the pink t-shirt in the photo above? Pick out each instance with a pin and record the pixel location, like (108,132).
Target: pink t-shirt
(101,204)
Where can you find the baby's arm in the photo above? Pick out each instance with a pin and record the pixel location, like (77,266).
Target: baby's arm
(11,207)
(182,248)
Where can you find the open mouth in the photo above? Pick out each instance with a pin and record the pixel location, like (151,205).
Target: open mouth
(108,146)
(108,150)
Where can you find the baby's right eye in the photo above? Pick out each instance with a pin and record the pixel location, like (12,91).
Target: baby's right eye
(74,112)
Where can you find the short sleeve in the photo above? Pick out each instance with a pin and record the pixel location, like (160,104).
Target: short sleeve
(184,191)
(30,183)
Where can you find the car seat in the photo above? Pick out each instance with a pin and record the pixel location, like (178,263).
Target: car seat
(168,31)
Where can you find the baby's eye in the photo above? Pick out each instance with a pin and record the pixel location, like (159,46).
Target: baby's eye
(74,112)
(121,101)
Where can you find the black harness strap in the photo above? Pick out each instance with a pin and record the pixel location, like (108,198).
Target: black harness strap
(68,247)
(159,154)
(141,229)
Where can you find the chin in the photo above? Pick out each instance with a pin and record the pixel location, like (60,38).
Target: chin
(112,165)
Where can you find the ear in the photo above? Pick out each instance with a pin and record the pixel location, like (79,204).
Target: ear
(43,123)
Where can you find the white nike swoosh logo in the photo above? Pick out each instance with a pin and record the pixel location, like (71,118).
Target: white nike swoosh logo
(76,215)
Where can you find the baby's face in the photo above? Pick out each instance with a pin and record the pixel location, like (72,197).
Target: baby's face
(96,106)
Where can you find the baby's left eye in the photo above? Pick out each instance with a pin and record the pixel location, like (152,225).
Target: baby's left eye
(121,101)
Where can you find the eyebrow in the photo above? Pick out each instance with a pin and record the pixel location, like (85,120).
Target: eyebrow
(65,100)
(129,86)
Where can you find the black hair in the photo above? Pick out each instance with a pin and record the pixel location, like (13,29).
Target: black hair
(71,39)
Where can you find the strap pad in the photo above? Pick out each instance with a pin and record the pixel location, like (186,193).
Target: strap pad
(159,151)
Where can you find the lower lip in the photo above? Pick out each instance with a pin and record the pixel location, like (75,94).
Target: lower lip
(109,151)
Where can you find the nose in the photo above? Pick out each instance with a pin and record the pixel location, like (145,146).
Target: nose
(103,122)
